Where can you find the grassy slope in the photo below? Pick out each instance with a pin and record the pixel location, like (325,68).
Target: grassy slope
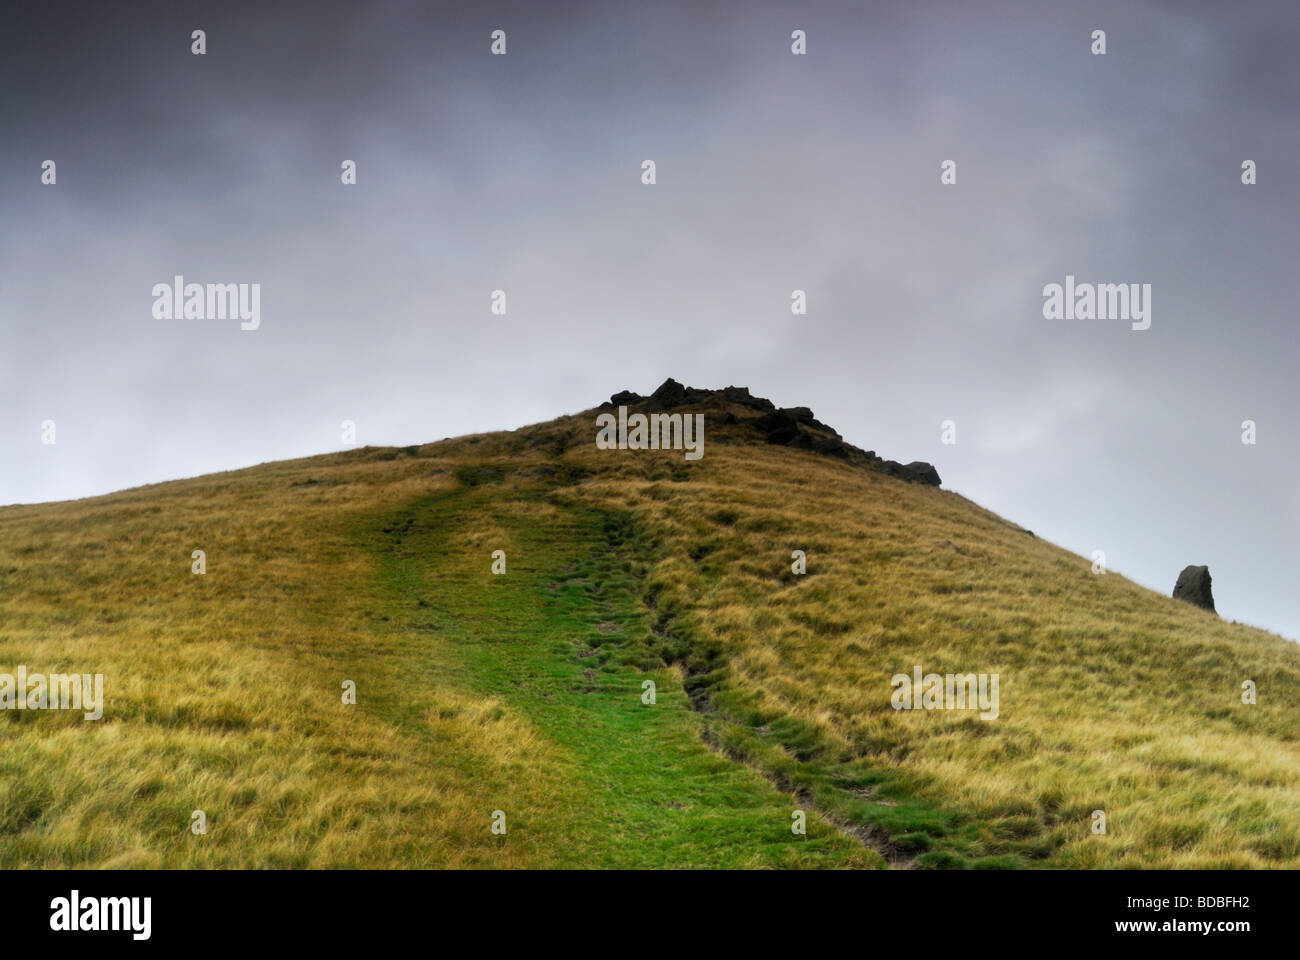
(522,692)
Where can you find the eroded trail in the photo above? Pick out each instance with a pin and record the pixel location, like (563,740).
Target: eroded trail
(553,648)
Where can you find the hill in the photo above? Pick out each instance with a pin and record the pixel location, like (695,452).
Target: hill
(518,696)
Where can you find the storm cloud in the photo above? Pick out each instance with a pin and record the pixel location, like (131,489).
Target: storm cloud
(775,172)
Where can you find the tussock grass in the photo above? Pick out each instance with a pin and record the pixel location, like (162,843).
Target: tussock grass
(521,692)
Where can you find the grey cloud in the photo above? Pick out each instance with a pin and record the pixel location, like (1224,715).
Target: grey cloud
(775,173)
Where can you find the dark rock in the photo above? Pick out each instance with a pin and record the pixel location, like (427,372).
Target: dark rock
(1194,586)
(786,419)
(833,446)
(795,427)
(741,396)
(787,426)
(778,426)
(924,473)
(914,472)
(669,394)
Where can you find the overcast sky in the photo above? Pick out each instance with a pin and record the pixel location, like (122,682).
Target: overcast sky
(775,172)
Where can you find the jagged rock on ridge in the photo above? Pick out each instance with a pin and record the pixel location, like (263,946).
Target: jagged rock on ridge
(915,472)
(669,394)
(785,426)
(924,472)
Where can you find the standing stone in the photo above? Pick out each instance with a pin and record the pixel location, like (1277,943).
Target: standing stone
(1194,586)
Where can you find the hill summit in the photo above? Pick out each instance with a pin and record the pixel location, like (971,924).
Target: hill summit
(785,426)
(521,649)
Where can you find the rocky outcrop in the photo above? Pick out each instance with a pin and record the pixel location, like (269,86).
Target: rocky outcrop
(917,471)
(787,426)
(670,394)
(796,427)
(1194,586)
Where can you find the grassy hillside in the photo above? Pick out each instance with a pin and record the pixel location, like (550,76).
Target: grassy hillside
(522,692)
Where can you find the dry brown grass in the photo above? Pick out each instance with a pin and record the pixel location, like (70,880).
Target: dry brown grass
(225,688)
